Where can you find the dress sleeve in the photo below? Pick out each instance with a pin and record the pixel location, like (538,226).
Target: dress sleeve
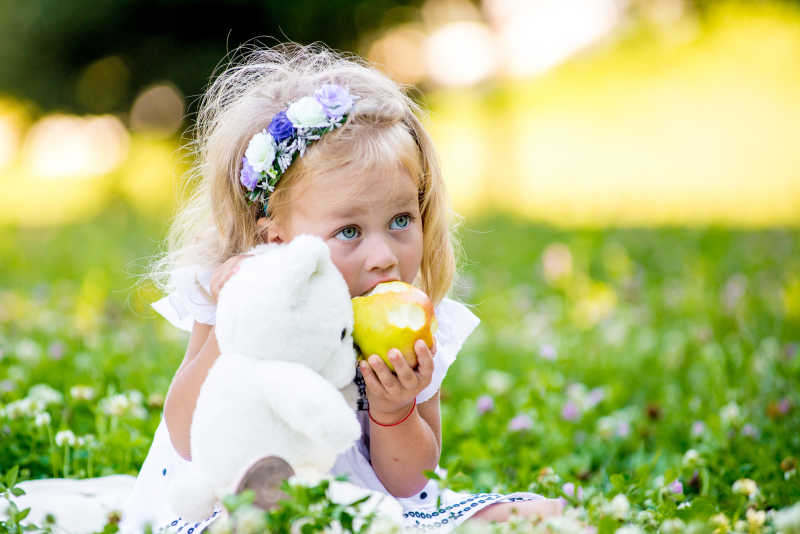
(187,304)
(456,323)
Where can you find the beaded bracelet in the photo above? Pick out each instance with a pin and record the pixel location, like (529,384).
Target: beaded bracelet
(403,420)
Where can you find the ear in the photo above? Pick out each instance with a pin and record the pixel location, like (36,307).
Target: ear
(269,231)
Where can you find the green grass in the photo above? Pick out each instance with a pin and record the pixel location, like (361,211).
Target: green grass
(625,350)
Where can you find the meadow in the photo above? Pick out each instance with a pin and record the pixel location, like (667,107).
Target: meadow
(649,376)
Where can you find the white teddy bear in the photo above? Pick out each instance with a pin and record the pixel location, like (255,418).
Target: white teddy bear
(284,326)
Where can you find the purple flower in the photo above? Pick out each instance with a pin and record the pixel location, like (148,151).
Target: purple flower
(281,127)
(548,351)
(570,411)
(750,431)
(568,489)
(520,422)
(698,427)
(249,177)
(676,486)
(784,405)
(485,404)
(595,397)
(623,429)
(335,99)
(56,350)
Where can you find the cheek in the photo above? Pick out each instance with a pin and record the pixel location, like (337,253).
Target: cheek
(345,268)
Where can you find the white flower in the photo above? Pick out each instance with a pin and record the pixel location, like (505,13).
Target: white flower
(756,518)
(42,419)
(787,521)
(383,525)
(729,413)
(65,437)
(745,486)
(260,151)
(83,441)
(645,516)
(564,525)
(629,529)
(116,405)
(28,350)
(82,392)
(498,382)
(23,408)
(135,396)
(223,525)
(45,394)
(691,457)
(307,113)
(619,507)
(671,526)
(250,519)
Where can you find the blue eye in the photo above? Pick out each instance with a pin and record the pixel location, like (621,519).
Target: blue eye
(349,233)
(402,220)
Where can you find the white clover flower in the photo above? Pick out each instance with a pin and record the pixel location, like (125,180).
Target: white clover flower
(306,113)
(138,411)
(619,507)
(564,525)
(745,486)
(45,394)
(691,457)
(83,441)
(721,521)
(260,151)
(729,413)
(755,518)
(629,529)
(672,526)
(65,437)
(82,392)
(135,396)
(115,405)
(42,419)
(645,516)
(498,382)
(685,504)
(222,525)
(383,525)
(740,526)
(23,408)
(250,520)
(787,520)
(28,350)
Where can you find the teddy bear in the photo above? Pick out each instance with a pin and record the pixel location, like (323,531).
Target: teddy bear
(284,327)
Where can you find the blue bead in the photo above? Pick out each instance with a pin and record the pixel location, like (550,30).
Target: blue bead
(423,495)
(164,472)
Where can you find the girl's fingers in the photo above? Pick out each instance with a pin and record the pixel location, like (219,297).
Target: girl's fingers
(370,379)
(424,360)
(383,373)
(405,374)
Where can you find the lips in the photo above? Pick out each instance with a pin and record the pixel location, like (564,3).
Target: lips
(379,282)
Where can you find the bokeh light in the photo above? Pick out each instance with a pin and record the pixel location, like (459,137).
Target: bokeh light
(158,110)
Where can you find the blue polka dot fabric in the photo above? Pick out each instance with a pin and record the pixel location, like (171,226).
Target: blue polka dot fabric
(178,525)
(455,508)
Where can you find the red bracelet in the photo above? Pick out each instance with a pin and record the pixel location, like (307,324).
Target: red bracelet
(403,420)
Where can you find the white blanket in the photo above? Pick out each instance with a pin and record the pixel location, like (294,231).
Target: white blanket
(79,506)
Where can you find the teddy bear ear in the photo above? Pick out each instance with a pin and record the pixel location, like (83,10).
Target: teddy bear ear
(312,253)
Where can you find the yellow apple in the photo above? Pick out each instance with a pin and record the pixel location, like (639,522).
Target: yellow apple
(393,315)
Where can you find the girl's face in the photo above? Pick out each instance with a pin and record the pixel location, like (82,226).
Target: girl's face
(370,222)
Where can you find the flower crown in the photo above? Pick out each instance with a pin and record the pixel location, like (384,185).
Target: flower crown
(271,151)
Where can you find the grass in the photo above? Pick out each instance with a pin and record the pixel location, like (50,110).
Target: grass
(608,362)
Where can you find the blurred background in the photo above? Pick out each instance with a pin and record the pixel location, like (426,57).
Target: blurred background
(576,112)
(629,176)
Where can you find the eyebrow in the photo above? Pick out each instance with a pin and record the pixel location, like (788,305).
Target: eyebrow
(405,200)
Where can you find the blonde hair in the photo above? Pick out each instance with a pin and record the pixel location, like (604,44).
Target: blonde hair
(217,222)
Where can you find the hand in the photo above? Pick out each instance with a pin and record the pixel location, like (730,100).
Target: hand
(390,394)
(222,274)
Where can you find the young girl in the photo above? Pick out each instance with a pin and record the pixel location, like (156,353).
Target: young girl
(303,140)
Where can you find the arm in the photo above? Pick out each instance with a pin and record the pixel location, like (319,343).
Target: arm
(181,399)
(400,453)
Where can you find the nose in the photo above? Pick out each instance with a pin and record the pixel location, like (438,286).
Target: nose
(380,254)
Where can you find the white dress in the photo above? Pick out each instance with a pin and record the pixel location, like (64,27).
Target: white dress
(148,501)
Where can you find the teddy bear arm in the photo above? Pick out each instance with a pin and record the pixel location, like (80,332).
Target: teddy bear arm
(312,406)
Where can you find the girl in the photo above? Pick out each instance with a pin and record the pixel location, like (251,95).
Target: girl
(302,140)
